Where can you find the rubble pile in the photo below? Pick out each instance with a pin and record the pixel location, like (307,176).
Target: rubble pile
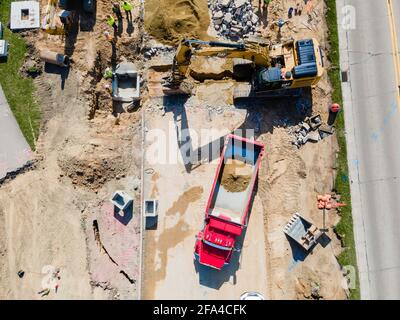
(153,51)
(233,19)
(312,129)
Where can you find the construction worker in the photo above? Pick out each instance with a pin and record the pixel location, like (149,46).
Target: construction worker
(111,22)
(108,36)
(128,10)
(108,74)
(266,3)
(117,10)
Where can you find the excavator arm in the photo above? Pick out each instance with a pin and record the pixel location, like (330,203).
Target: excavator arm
(257,53)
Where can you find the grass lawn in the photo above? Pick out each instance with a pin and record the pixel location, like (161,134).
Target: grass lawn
(345,226)
(18,90)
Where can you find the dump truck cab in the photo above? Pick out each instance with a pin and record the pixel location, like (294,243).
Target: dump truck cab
(294,64)
(215,243)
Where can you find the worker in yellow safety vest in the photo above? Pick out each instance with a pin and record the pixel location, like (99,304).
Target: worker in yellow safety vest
(111,21)
(128,10)
(117,10)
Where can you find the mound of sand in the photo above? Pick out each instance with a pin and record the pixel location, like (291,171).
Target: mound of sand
(236,176)
(171,20)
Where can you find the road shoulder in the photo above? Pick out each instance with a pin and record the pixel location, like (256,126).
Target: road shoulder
(358,224)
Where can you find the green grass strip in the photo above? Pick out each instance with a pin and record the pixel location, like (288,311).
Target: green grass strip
(345,226)
(17,89)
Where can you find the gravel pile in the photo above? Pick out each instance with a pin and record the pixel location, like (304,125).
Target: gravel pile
(233,19)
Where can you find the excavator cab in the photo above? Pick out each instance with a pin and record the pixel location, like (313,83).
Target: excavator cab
(295,64)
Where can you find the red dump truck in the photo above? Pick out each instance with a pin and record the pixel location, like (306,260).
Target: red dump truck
(228,205)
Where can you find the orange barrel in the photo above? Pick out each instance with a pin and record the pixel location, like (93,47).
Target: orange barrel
(335,108)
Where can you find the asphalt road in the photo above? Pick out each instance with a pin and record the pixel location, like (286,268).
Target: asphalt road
(370,54)
(14,150)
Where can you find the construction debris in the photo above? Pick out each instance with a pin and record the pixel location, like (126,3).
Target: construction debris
(328,202)
(312,129)
(302,231)
(326,130)
(233,19)
(52,57)
(314,122)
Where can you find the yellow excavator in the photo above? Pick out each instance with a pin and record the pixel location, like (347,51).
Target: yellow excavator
(55,20)
(258,69)
(184,74)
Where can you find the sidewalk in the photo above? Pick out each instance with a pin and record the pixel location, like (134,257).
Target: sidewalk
(14,150)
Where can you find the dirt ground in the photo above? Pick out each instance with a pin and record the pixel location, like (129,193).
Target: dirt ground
(289,181)
(170,21)
(59,214)
(296,177)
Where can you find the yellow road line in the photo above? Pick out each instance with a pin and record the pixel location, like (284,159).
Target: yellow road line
(396,42)
(395,46)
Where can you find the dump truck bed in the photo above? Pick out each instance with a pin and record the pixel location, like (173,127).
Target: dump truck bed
(234,181)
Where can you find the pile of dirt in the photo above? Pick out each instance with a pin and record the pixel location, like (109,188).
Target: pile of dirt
(169,21)
(308,289)
(236,176)
(91,166)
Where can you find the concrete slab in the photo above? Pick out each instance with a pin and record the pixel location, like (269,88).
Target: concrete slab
(25,15)
(14,150)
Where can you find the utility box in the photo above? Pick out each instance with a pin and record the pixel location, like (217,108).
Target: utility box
(126,83)
(151,208)
(3,49)
(24,15)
